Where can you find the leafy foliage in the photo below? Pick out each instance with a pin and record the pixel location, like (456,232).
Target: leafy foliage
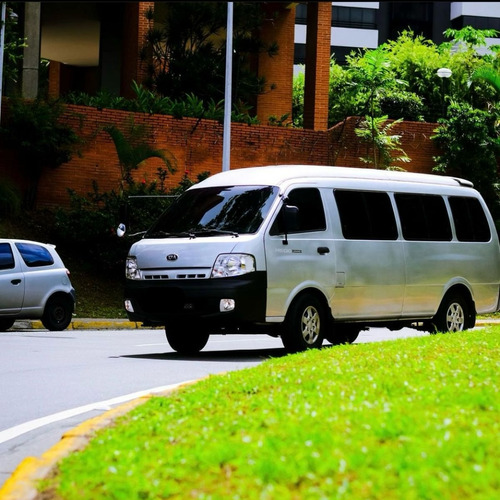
(133,149)
(376,132)
(468,138)
(35,130)
(185,49)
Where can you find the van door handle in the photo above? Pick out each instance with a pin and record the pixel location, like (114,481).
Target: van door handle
(323,250)
(16,282)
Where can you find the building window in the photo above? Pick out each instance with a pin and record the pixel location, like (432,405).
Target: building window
(349,17)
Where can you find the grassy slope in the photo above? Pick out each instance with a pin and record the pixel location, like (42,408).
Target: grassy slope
(416,419)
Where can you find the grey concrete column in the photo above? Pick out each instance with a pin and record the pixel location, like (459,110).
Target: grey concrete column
(31,57)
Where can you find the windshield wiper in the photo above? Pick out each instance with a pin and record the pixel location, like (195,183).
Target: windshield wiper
(164,234)
(208,231)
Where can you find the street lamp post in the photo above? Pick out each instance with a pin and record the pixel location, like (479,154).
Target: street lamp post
(443,73)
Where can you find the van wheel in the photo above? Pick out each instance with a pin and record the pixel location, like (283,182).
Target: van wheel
(342,334)
(6,323)
(58,313)
(304,324)
(453,315)
(186,338)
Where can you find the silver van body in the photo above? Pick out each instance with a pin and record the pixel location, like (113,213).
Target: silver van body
(311,253)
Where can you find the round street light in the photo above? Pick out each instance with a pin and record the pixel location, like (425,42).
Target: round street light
(444,72)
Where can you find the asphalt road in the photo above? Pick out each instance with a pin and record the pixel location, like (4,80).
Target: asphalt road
(51,382)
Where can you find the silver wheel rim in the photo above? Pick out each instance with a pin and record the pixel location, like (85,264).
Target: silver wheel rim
(455,318)
(310,325)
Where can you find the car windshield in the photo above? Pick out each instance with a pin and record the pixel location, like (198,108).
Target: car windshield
(215,211)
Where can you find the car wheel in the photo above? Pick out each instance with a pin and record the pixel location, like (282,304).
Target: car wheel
(453,315)
(6,323)
(58,313)
(304,324)
(186,338)
(342,334)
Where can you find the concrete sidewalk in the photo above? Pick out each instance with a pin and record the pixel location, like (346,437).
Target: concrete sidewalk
(124,324)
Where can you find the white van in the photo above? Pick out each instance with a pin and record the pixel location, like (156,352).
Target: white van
(310,253)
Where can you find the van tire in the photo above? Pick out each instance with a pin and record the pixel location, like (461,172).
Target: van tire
(342,334)
(6,323)
(304,324)
(186,338)
(453,315)
(58,313)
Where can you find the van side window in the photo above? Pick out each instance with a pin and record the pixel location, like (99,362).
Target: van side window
(469,219)
(311,216)
(6,257)
(366,215)
(423,217)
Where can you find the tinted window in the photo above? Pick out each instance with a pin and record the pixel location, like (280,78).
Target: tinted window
(423,217)
(366,215)
(216,210)
(469,219)
(34,255)
(311,215)
(6,257)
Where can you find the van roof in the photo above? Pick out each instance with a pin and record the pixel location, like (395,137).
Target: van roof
(277,174)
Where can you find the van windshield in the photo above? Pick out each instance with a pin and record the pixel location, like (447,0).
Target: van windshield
(215,211)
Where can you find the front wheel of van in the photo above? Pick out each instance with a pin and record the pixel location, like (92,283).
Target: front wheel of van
(186,338)
(304,324)
(342,334)
(453,315)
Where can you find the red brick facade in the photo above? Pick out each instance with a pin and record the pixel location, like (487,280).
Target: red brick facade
(197,147)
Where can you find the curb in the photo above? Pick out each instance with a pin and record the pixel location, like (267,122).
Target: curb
(84,324)
(22,483)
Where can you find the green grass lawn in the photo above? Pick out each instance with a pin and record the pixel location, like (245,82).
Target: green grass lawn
(415,418)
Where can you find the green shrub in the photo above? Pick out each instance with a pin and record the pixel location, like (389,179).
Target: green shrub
(10,199)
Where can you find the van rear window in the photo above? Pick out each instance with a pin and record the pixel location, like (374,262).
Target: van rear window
(423,217)
(469,219)
(366,215)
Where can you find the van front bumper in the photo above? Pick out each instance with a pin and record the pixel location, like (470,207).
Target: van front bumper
(158,302)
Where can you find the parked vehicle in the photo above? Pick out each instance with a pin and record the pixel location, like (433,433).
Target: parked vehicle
(34,284)
(310,253)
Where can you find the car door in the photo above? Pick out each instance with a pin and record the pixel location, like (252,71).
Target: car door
(303,258)
(12,283)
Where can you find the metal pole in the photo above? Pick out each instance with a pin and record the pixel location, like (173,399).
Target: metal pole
(226,147)
(2,38)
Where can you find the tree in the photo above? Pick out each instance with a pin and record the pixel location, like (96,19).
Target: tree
(185,46)
(35,130)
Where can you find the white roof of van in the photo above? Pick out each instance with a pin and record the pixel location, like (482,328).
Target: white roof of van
(275,175)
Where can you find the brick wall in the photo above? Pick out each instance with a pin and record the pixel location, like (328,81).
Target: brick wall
(197,147)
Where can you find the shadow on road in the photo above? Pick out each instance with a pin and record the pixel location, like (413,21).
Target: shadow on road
(217,356)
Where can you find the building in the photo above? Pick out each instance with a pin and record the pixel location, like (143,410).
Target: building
(95,46)
(358,25)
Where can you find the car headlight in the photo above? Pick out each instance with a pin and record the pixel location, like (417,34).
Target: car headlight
(131,270)
(233,264)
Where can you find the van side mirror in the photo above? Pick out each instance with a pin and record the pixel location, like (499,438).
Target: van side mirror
(290,219)
(121,230)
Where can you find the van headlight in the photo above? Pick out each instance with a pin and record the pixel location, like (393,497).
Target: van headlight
(233,264)
(131,270)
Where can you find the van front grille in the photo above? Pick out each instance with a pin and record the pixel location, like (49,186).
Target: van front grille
(190,276)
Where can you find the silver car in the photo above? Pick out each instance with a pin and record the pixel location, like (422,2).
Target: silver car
(34,284)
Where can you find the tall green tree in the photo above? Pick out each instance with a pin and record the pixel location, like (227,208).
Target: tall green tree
(185,45)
